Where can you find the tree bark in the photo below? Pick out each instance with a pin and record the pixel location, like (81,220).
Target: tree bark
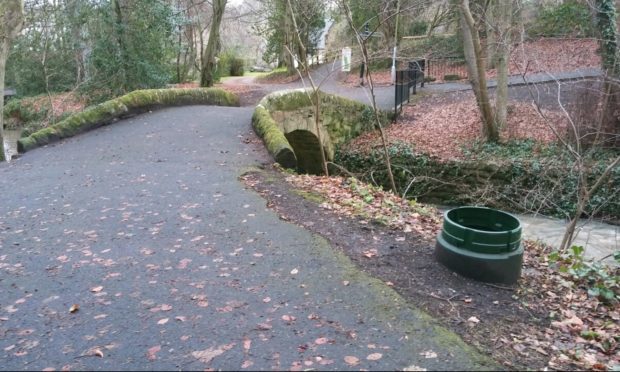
(366,60)
(492,39)
(120,39)
(289,41)
(502,56)
(11,22)
(607,26)
(477,74)
(207,76)
(316,92)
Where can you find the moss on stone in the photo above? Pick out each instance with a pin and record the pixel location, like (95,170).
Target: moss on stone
(134,102)
(311,196)
(291,110)
(274,139)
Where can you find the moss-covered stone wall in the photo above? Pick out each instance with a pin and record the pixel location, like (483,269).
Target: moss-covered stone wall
(548,187)
(133,103)
(292,111)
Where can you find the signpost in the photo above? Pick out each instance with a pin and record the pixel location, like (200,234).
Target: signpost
(346,59)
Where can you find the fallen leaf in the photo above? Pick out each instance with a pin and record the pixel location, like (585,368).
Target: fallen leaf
(264,326)
(374,356)
(97,352)
(351,360)
(165,307)
(288,318)
(294,271)
(266,299)
(96,289)
(321,341)
(429,354)
(207,355)
(247,343)
(370,253)
(345,283)
(150,354)
(413,367)
(74,308)
(162,321)
(473,320)
(247,364)
(180,318)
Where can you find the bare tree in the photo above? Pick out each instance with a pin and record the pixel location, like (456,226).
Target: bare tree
(11,21)
(316,96)
(492,118)
(365,59)
(207,76)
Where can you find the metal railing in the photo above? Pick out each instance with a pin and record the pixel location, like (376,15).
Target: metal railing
(406,82)
(446,69)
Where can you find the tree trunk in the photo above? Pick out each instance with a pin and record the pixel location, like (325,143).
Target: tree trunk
(492,39)
(120,39)
(289,41)
(366,60)
(11,21)
(207,76)
(475,68)
(502,57)
(607,26)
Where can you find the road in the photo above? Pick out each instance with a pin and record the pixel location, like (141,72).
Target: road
(145,226)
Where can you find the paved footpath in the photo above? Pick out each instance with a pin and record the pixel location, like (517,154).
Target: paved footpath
(175,265)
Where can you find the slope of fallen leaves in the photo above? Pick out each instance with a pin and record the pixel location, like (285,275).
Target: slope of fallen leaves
(443,128)
(584,332)
(580,332)
(550,55)
(349,197)
(61,103)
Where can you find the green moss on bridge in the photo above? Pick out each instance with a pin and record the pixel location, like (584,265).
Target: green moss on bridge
(130,104)
(292,114)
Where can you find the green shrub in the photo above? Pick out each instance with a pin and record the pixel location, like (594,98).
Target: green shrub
(571,19)
(436,46)
(418,28)
(451,77)
(236,67)
(20,112)
(515,176)
(380,63)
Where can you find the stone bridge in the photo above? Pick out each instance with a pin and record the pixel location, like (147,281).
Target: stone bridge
(286,122)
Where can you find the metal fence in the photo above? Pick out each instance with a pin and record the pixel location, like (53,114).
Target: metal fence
(406,82)
(446,69)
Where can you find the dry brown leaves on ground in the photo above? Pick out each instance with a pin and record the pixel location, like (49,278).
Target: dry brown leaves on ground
(238,89)
(442,128)
(349,197)
(584,332)
(553,55)
(543,55)
(61,103)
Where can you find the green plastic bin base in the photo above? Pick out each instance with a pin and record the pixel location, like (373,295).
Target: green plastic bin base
(492,268)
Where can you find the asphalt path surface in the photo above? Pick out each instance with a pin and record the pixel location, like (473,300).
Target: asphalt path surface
(145,226)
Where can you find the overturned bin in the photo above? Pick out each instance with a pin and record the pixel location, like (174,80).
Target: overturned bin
(482,244)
